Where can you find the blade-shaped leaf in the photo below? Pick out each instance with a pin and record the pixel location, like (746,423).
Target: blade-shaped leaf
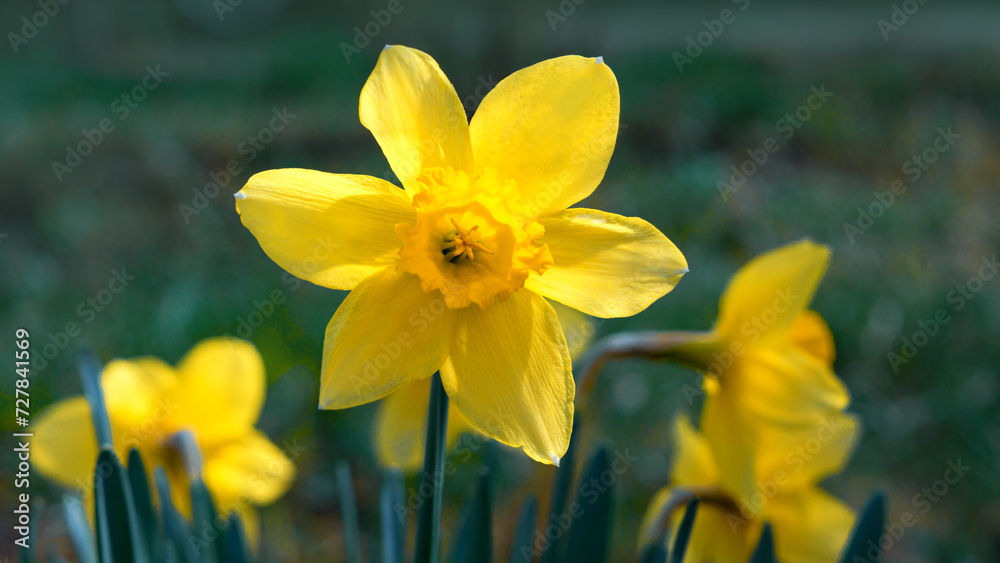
(234,543)
(561,487)
(117,526)
(79,529)
(683,536)
(205,529)
(149,525)
(349,513)
(178,543)
(393,513)
(590,512)
(764,553)
(474,541)
(90,377)
(521,548)
(867,529)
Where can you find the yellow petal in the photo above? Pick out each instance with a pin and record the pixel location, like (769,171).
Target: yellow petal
(509,373)
(606,265)
(721,535)
(219,391)
(694,464)
(577,327)
(809,526)
(64,445)
(386,333)
(767,294)
(810,333)
(415,115)
(401,426)
(248,469)
(551,127)
(333,230)
(785,384)
(801,455)
(732,439)
(136,398)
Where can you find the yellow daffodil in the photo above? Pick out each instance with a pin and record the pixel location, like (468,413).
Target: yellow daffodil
(400,426)
(450,273)
(216,393)
(767,362)
(808,524)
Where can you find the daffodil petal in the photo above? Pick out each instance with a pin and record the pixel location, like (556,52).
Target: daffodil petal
(786,385)
(249,468)
(133,396)
(606,265)
(694,464)
(401,426)
(550,127)
(577,327)
(333,230)
(219,391)
(809,526)
(810,333)
(64,445)
(386,333)
(799,456)
(767,294)
(509,373)
(721,535)
(415,115)
(733,442)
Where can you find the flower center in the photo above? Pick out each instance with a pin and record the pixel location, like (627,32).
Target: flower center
(479,264)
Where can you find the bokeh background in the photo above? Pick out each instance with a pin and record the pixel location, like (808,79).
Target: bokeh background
(199,273)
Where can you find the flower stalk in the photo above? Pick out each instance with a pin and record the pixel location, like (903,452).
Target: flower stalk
(428,546)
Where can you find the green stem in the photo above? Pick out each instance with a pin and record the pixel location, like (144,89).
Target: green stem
(428,547)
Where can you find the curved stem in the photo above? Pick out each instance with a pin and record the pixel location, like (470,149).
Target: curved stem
(681,497)
(428,546)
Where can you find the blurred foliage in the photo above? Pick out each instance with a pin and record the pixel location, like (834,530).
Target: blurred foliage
(119,211)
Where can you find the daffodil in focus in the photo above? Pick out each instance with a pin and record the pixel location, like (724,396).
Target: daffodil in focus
(808,524)
(768,365)
(451,272)
(400,426)
(215,392)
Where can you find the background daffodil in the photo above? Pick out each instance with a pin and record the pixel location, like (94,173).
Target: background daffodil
(808,524)
(215,392)
(450,273)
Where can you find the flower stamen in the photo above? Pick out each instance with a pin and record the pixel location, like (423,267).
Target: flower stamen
(464,243)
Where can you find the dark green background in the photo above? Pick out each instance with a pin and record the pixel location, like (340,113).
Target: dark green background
(681,131)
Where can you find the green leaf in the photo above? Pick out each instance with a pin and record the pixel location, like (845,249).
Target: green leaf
(521,548)
(117,526)
(590,513)
(393,513)
(560,495)
(764,553)
(349,513)
(867,529)
(79,529)
(90,377)
(179,546)
(474,541)
(205,529)
(234,543)
(683,536)
(428,544)
(149,526)
(655,553)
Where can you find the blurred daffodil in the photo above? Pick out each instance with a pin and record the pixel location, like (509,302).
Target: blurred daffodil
(768,362)
(809,525)
(215,393)
(450,273)
(400,426)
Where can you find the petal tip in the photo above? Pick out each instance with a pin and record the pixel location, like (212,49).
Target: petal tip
(387,47)
(555,460)
(240,195)
(599,60)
